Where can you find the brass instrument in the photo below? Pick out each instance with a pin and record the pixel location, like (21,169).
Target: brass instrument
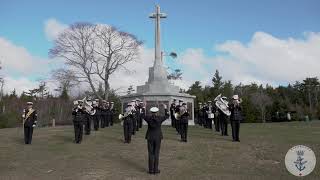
(222,105)
(126,114)
(181,112)
(87,106)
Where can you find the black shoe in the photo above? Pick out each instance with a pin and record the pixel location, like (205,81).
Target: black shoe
(151,172)
(157,171)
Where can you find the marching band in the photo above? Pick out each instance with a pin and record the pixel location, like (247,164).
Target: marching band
(101,113)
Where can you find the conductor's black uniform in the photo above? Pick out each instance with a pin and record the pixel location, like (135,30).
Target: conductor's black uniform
(154,136)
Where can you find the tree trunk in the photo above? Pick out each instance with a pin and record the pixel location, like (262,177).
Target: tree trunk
(106,86)
(92,87)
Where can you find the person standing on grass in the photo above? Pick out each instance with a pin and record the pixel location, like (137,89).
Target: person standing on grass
(127,119)
(154,137)
(79,117)
(235,117)
(29,122)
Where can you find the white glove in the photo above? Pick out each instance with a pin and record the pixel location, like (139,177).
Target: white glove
(34,125)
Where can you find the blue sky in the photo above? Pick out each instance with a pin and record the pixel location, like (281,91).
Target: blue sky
(202,24)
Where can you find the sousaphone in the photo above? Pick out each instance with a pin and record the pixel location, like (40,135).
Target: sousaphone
(222,105)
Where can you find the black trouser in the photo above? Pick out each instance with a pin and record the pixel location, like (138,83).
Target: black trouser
(205,122)
(178,126)
(224,127)
(137,125)
(153,153)
(216,124)
(235,126)
(103,121)
(209,123)
(134,124)
(87,125)
(28,131)
(111,119)
(140,122)
(78,131)
(173,121)
(127,130)
(184,131)
(96,123)
(200,120)
(107,120)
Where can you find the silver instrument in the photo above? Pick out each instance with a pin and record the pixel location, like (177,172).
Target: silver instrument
(87,106)
(222,105)
(126,114)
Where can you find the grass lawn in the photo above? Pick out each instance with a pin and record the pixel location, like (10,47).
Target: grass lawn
(207,155)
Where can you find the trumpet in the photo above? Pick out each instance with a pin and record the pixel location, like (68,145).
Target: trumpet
(126,114)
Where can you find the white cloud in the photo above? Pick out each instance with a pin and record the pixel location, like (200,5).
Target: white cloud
(21,84)
(20,67)
(53,28)
(269,59)
(16,59)
(265,59)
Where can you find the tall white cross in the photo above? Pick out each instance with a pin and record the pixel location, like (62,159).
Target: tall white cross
(157,16)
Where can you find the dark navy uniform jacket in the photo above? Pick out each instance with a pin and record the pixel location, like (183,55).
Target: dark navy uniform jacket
(154,131)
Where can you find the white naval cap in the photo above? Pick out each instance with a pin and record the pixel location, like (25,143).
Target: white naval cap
(29,103)
(154,109)
(235,97)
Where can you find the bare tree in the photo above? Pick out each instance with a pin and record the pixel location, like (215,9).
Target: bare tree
(95,52)
(65,77)
(114,49)
(261,100)
(75,46)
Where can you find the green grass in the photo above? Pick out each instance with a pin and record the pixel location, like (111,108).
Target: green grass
(207,155)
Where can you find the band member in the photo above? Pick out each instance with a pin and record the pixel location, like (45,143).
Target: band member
(184,119)
(96,116)
(216,120)
(87,123)
(103,109)
(203,114)
(199,113)
(209,115)
(107,115)
(154,137)
(223,118)
(137,113)
(29,122)
(235,117)
(127,119)
(172,111)
(178,123)
(134,118)
(79,116)
(142,114)
(112,112)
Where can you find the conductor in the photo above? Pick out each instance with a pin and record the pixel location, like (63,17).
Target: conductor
(154,137)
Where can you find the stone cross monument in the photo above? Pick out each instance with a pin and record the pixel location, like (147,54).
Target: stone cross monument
(158,89)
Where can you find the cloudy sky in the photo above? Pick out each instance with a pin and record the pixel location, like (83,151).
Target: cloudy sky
(267,41)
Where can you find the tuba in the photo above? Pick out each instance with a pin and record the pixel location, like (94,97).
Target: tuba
(88,107)
(222,105)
